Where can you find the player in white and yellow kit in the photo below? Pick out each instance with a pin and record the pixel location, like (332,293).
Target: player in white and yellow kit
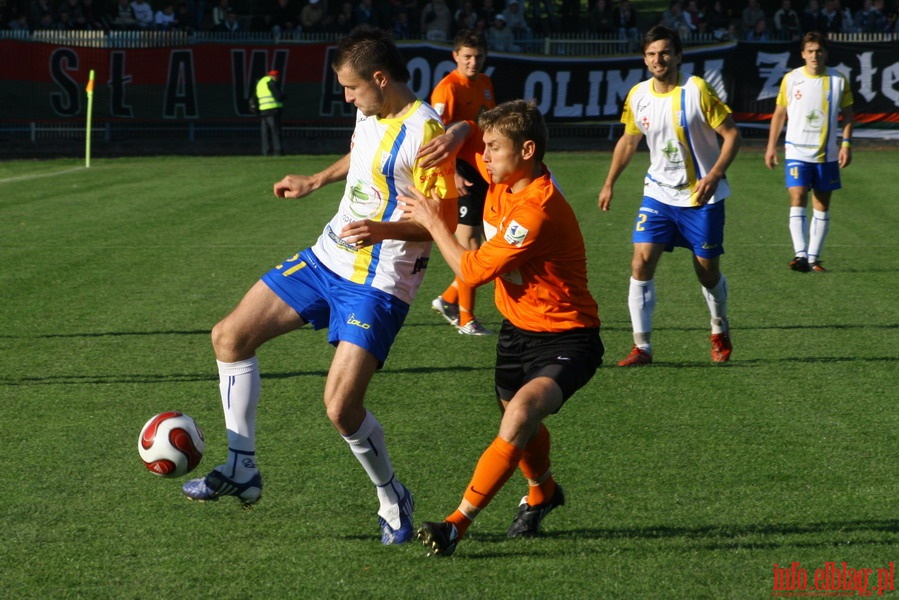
(684,189)
(813,100)
(358,279)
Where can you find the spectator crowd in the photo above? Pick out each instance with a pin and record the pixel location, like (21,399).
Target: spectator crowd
(506,24)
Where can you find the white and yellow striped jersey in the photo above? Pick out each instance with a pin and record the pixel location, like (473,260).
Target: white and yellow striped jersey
(813,104)
(382,167)
(680,132)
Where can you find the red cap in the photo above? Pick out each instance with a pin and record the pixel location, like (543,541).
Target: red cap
(274,73)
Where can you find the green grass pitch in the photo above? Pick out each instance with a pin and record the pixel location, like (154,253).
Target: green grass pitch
(684,480)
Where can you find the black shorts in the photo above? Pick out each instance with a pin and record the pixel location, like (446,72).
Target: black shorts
(471,206)
(569,358)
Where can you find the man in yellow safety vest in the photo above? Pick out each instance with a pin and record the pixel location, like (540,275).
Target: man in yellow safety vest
(268,102)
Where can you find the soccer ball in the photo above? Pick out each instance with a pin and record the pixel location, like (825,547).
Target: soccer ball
(171,444)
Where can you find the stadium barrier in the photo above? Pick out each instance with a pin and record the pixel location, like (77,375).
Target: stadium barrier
(162,86)
(573,44)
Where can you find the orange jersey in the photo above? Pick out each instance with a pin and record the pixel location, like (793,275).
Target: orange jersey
(458,98)
(535,253)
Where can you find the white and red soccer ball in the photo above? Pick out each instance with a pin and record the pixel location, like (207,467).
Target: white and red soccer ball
(171,444)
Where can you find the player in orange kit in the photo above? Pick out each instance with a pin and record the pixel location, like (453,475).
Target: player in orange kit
(549,344)
(461,96)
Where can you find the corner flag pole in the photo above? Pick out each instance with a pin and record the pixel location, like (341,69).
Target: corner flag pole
(90,110)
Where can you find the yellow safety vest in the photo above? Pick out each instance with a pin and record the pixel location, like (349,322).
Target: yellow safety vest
(264,97)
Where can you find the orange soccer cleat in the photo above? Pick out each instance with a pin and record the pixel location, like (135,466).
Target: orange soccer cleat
(637,358)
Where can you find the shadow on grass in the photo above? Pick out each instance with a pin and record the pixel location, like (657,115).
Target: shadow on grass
(772,536)
(755,362)
(442,325)
(723,537)
(155,379)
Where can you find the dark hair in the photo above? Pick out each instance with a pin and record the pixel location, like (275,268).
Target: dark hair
(814,37)
(367,49)
(658,33)
(469,38)
(520,121)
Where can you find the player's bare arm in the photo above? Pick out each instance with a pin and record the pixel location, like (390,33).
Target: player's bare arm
(730,145)
(777,124)
(845,156)
(444,147)
(428,213)
(621,156)
(300,186)
(367,232)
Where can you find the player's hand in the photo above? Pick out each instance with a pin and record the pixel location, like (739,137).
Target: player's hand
(605,198)
(705,189)
(363,233)
(771,158)
(420,209)
(463,186)
(439,150)
(845,157)
(295,186)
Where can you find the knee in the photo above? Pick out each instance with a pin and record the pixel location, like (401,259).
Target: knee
(518,424)
(227,343)
(346,417)
(641,269)
(708,278)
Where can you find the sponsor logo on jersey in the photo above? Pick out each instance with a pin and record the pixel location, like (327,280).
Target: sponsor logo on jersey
(365,203)
(814,120)
(516,234)
(673,152)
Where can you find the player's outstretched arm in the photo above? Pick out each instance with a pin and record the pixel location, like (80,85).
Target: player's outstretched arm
(300,186)
(621,156)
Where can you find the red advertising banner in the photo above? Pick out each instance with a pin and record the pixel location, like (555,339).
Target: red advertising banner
(213,81)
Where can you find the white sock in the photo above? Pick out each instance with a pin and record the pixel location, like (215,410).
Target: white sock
(798,222)
(716,298)
(239,386)
(370,450)
(641,300)
(817,233)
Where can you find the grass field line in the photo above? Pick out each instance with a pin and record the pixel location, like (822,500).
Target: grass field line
(260,245)
(40,175)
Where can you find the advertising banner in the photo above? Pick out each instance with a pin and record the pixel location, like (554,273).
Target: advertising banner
(213,82)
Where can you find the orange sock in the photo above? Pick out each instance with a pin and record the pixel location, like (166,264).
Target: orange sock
(451,294)
(466,303)
(460,520)
(495,466)
(535,465)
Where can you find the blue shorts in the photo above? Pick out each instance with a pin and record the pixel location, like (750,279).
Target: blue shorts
(824,177)
(362,315)
(700,228)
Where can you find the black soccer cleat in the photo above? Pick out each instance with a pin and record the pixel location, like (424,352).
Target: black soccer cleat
(441,537)
(800,263)
(527,521)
